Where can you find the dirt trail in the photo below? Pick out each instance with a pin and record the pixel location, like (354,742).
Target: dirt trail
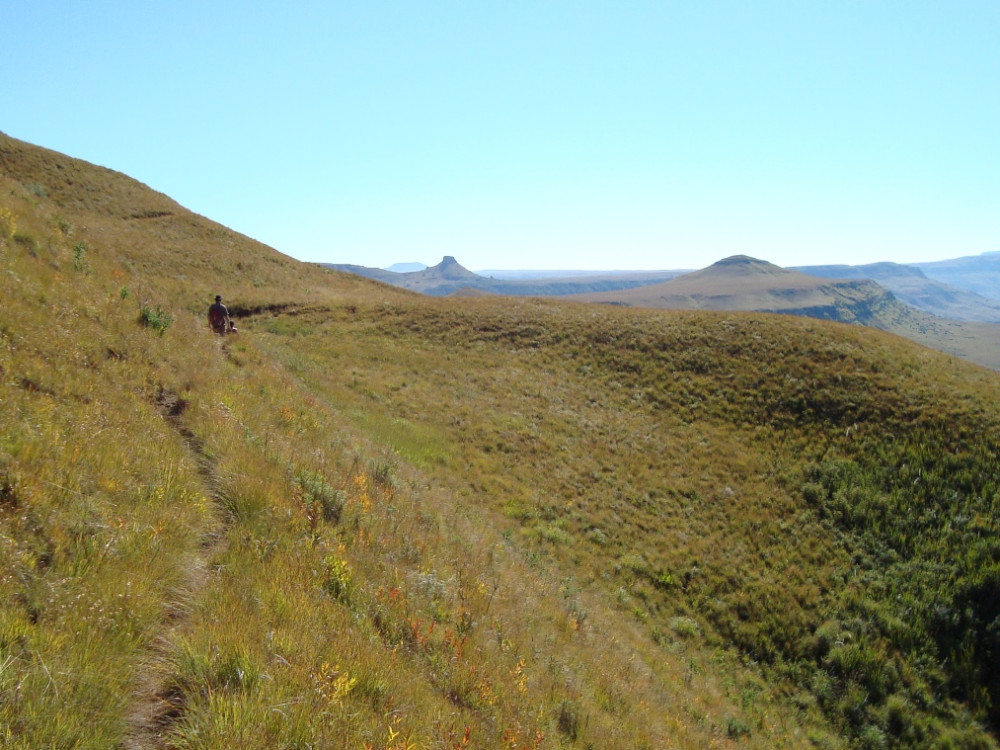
(155,708)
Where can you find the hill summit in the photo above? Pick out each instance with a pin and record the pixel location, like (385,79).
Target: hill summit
(742,271)
(448,269)
(741,265)
(744,283)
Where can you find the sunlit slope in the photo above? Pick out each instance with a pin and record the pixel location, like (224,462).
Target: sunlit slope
(201,548)
(106,220)
(375,519)
(820,497)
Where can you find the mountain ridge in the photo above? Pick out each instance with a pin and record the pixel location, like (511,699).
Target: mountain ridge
(910,284)
(978,273)
(971,298)
(749,284)
(450,277)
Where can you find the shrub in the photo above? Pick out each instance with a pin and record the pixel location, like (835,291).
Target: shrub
(736,728)
(872,738)
(237,670)
(79,257)
(27,242)
(685,627)
(383,471)
(320,498)
(157,319)
(338,579)
(598,537)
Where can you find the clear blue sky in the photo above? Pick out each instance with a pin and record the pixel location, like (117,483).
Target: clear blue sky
(576,135)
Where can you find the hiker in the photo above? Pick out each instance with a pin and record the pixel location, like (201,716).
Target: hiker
(218,317)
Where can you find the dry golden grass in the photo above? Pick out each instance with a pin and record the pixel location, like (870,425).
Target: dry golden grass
(377,520)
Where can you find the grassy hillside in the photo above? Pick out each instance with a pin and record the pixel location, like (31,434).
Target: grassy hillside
(748,284)
(379,520)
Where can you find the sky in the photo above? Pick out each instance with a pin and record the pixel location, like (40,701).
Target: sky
(624,134)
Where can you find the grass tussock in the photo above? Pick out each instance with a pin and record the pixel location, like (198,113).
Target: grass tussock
(375,520)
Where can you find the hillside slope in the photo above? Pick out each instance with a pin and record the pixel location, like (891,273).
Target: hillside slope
(376,519)
(911,285)
(744,283)
(978,273)
(198,549)
(748,284)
